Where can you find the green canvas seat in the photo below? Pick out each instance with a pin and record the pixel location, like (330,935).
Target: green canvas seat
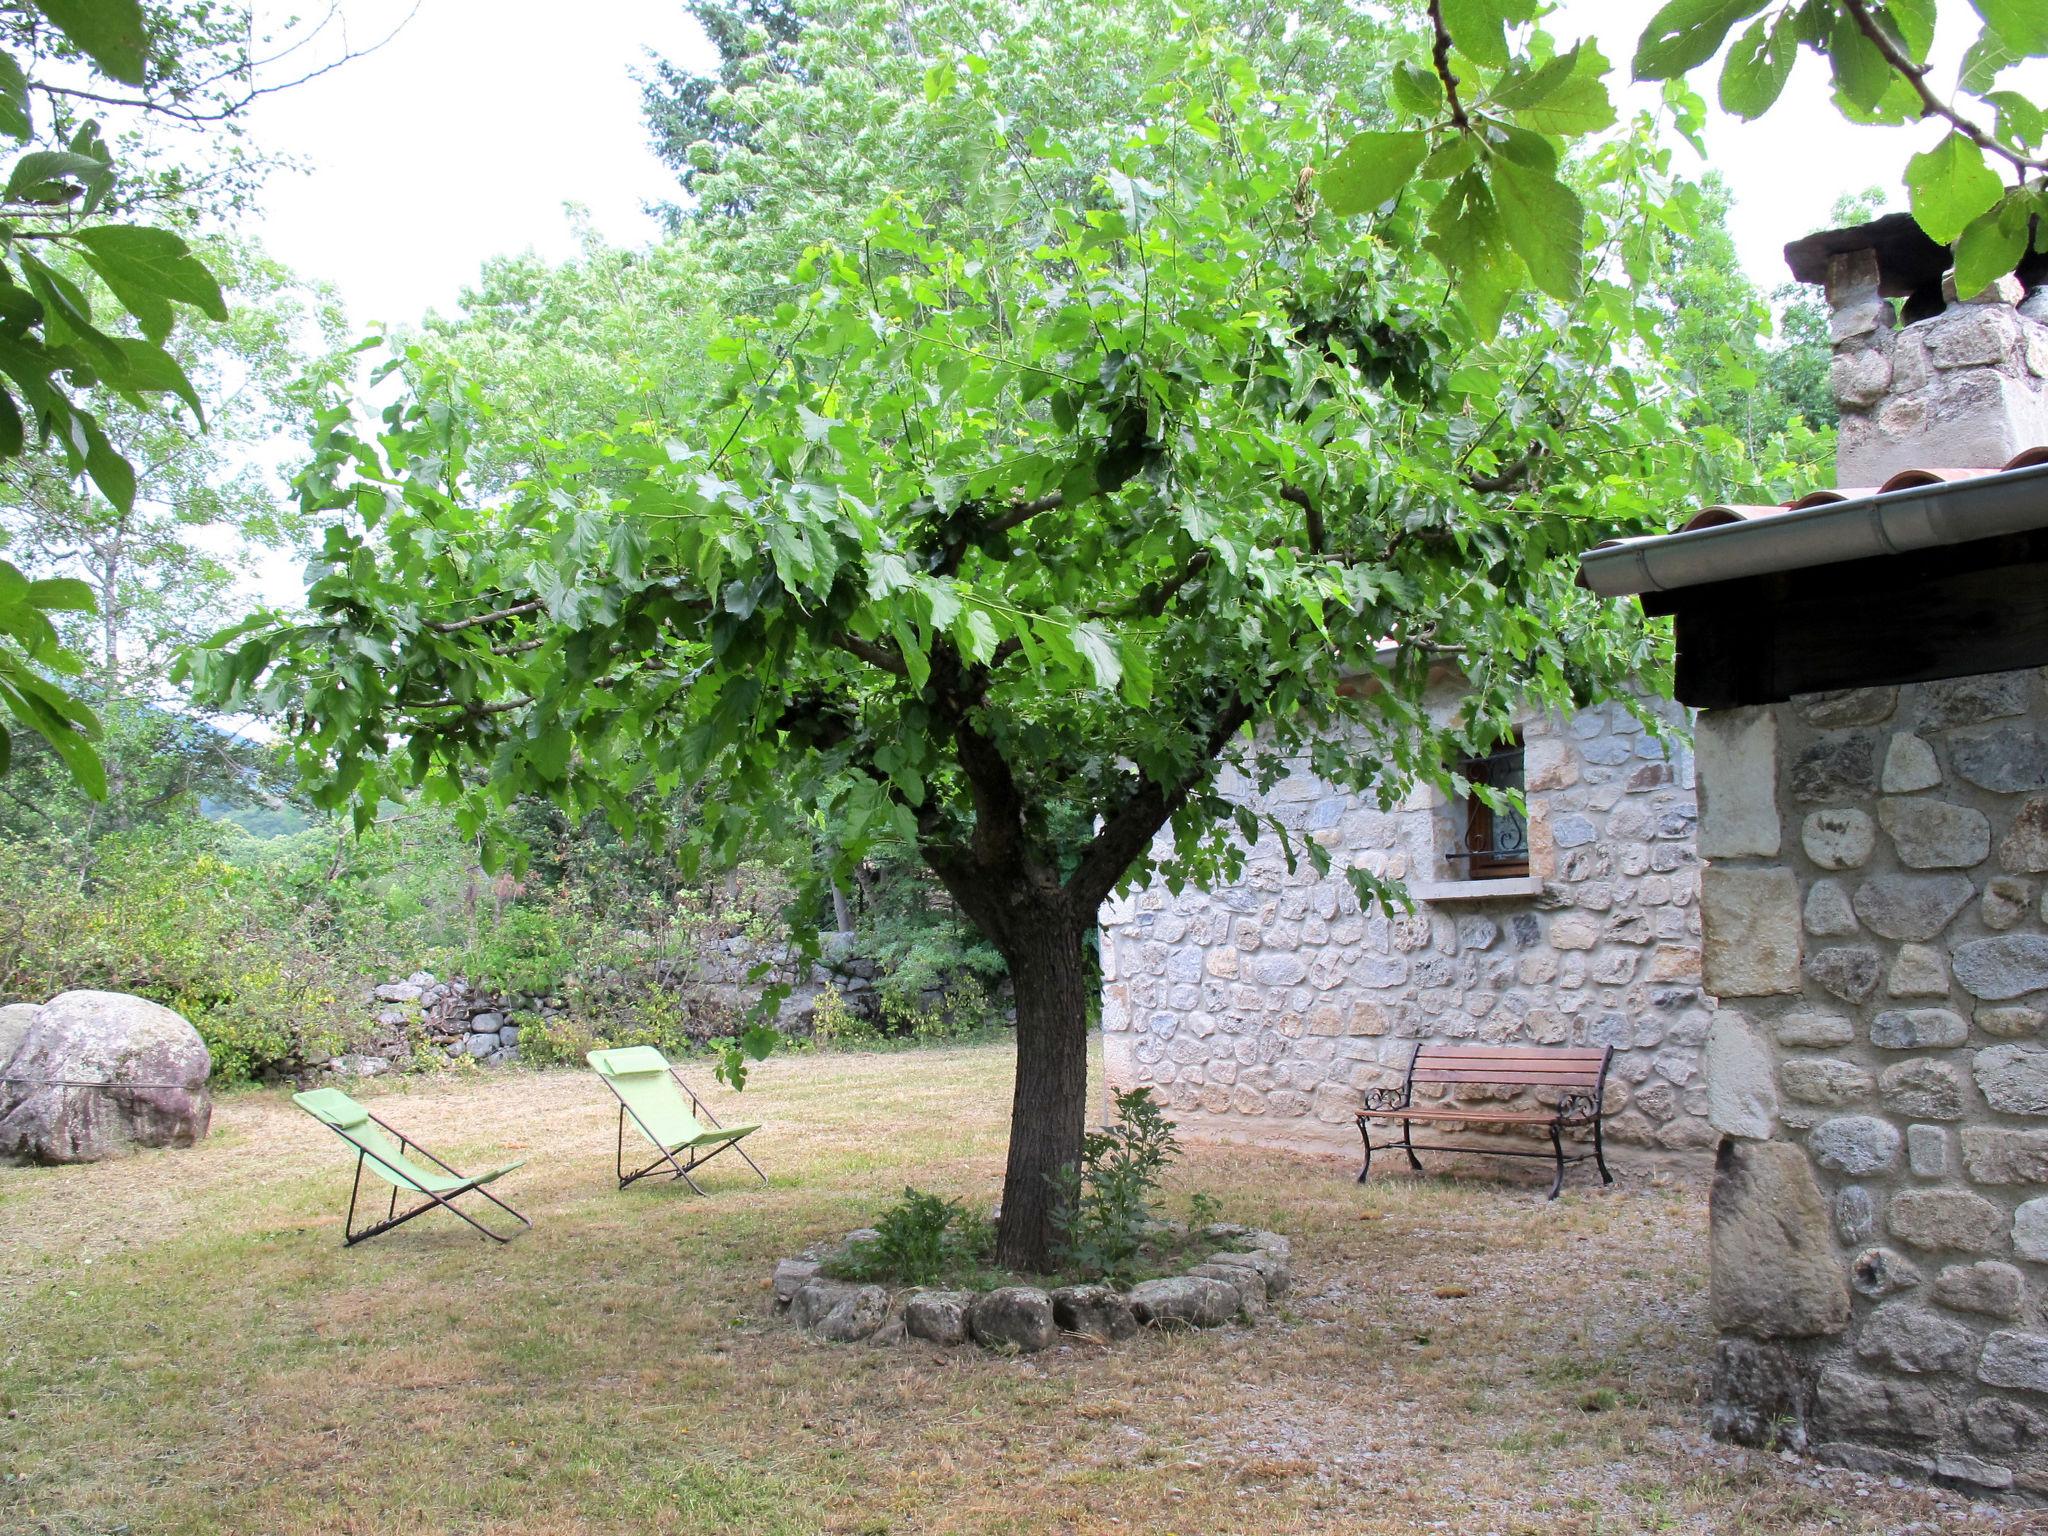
(394,1163)
(669,1114)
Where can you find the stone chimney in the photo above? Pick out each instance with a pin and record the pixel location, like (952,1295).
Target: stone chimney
(1934,382)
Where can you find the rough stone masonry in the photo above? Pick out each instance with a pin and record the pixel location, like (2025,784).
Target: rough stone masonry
(1258,1011)
(1877,934)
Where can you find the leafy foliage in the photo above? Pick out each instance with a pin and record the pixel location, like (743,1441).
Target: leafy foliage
(920,1240)
(1108,1205)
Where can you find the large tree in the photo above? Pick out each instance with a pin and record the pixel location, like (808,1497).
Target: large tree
(1011,546)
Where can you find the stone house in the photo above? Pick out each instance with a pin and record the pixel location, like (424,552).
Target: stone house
(1871,671)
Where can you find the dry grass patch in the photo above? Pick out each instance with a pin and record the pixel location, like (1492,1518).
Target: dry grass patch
(188,1349)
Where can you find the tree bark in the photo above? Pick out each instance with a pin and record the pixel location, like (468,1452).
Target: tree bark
(1049,1107)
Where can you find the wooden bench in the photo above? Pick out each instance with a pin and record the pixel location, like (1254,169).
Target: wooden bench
(1577,1076)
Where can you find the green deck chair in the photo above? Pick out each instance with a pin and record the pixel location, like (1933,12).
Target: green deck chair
(668,1112)
(366,1133)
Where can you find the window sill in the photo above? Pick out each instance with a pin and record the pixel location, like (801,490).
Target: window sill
(1512,888)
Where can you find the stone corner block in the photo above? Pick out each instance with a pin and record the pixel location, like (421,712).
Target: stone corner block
(1751,931)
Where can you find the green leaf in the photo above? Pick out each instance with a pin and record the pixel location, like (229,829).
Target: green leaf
(1992,245)
(150,368)
(1465,234)
(62,594)
(1544,222)
(44,175)
(155,260)
(1983,62)
(1099,651)
(549,752)
(1575,103)
(1950,185)
(2019,122)
(1758,64)
(109,32)
(1862,74)
(1372,168)
(1686,33)
(110,472)
(2022,25)
(1479,28)
(16,120)
(1417,89)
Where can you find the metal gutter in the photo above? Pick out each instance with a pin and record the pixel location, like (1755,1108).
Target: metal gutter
(1889,523)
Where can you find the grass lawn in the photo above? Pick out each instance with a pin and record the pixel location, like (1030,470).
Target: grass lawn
(185,1346)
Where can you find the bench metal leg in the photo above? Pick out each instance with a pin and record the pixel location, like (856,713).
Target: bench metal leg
(1557,1150)
(1600,1155)
(1365,1135)
(1409,1147)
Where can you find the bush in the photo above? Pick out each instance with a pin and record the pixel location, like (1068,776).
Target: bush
(1106,1211)
(919,1240)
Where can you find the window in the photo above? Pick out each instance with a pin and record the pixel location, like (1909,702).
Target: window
(1494,844)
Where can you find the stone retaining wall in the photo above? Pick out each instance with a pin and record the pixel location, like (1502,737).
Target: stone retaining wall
(1258,1011)
(1875,931)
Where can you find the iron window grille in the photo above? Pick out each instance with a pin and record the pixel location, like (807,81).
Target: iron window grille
(1493,844)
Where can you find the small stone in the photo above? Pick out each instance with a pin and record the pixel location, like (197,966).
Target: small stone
(480,1046)
(1847,706)
(1927,1151)
(1924,1090)
(1093,1311)
(2013,1078)
(1934,834)
(1272,1271)
(2010,759)
(1855,1214)
(2030,1230)
(1838,767)
(1995,1155)
(1184,1301)
(1974,699)
(1918,1029)
(1850,972)
(1953,1467)
(487,1023)
(1774,1270)
(1752,936)
(790,1277)
(1855,1144)
(937,1317)
(2006,900)
(1880,1272)
(2011,1023)
(1762,1394)
(2005,967)
(1918,970)
(2024,848)
(1994,1289)
(838,1312)
(1863,1408)
(1945,1218)
(1838,839)
(1910,1338)
(1015,1317)
(1742,1095)
(1915,907)
(1908,766)
(2015,1359)
(1812,1028)
(2000,1424)
(1265,1242)
(1825,1081)
(1828,914)
(1251,1290)
(1735,755)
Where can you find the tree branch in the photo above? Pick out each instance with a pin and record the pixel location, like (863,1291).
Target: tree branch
(1508,476)
(452,626)
(1312,515)
(1441,54)
(957,534)
(1931,105)
(1124,835)
(875,654)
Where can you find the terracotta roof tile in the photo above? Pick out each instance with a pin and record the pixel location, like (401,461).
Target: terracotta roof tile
(1904,480)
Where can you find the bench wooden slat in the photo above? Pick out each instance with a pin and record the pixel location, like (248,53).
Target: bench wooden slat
(1425,1112)
(1513,1052)
(1515,1080)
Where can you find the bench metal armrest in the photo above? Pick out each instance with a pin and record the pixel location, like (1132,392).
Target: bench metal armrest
(1579,1108)
(1380,1100)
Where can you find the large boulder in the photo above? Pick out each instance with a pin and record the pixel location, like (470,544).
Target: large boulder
(15,1019)
(153,1063)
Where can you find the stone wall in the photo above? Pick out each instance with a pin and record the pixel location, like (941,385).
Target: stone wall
(1875,932)
(1966,387)
(1258,1011)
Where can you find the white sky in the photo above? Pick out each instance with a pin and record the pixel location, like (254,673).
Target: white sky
(465,137)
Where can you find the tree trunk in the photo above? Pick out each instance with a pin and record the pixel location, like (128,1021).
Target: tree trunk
(1049,1110)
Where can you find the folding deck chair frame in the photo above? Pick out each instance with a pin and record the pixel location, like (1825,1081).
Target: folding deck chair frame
(444,1200)
(698,1108)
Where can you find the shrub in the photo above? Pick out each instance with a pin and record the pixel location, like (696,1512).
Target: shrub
(919,1240)
(1106,1211)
